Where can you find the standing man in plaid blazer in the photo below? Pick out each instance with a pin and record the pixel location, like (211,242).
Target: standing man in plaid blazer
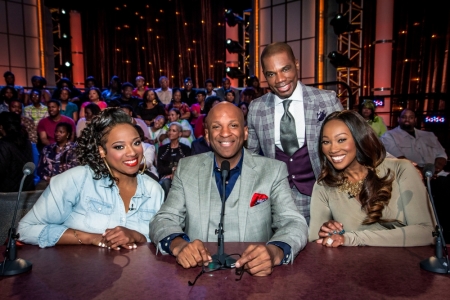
(285,124)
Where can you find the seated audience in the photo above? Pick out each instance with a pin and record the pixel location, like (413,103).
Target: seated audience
(149,155)
(170,154)
(248,95)
(164,92)
(210,102)
(259,204)
(188,94)
(126,97)
(156,130)
(200,145)
(68,108)
(7,93)
(226,89)
(74,93)
(10,79)
(140,89)
(362,198)
(187,135)
(36,110)
(89,82)
(244,107)
(46,127)
(150,108)
(367,111)
(60,156)
(197,108)
(15,152)
(253,82)
(38,83)
(136,121)
(105,202)
(181,106)
(90,111)
(209,87)
(15,106)
(94,97)
(114,89)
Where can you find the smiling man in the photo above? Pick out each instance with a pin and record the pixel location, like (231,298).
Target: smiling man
(258,206)
(285,124)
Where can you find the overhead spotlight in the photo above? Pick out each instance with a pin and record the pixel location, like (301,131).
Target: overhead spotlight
(234,72)
(234,46)
(68,64)
(232,19)
(339,60)
(341,25)
(63,11)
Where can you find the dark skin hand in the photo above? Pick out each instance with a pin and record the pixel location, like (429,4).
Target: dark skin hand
(259,260)
(190,255)
(331,227)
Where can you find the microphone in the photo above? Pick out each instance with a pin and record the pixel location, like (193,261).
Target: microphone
(224,259)
(12,265)
(438,263)
(428,170)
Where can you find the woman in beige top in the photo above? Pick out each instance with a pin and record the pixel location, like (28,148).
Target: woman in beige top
(361,198)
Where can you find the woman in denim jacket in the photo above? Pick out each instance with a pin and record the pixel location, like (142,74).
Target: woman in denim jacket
(106,201)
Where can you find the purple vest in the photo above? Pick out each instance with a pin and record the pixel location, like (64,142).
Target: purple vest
(301,173)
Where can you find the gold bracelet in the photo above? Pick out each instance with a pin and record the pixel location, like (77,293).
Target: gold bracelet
(76,236)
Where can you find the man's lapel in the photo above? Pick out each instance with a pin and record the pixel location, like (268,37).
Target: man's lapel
(204,191)
(248,176)
(268,119)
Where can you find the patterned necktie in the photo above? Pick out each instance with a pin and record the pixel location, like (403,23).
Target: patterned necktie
(288,135)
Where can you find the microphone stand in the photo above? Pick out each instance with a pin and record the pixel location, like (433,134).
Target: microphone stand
(226,261)
(437,263)
(11,264)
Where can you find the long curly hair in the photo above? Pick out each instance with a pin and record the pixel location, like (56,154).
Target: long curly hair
(96,134)
(370,152)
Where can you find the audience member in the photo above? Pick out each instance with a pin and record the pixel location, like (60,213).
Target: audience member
(156,130)
(65,82)
(244,107)
(187,135)
(89,82)
(7,93)
(209,87)
(262,211)
(140,89)
(36,110)
(200,145)
(126,97)
(38,83)
(188,94)
(15,106)
(149,155)
(15,152)
(150,108)
(197,108)
(170,154)
(253,82)
(10,80)
(94,97)
(46,127)
(68,108)
(291,136)
(136,121)
(181,106)
(227,88)
(90,111)
(164,92)
(104,202)
(60,156)
(114,89)
(361,198)
(210,102)
(248,94)
(367,111)
(230,96)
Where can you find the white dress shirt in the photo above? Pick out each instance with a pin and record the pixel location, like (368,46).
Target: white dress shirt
(297,111)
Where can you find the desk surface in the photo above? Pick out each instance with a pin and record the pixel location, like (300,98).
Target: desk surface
(88,272)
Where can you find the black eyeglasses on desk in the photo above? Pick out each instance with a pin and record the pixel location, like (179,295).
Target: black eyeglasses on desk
(216,265)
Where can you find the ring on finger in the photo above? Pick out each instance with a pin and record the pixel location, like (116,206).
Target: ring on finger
(330,241)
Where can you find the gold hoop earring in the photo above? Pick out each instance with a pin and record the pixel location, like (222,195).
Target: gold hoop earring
(145,165)
(107,166)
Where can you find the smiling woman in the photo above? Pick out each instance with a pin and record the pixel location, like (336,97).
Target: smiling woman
(361,198)
(106,201)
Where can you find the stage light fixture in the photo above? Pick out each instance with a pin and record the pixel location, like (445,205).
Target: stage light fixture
(232,19)
(234,72)
(339,60)
(68,64)
(341,25)
(234,46)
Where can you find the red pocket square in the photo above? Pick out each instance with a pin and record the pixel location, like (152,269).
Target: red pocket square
(258,199)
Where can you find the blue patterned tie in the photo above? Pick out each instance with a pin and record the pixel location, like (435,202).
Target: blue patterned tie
(288,135)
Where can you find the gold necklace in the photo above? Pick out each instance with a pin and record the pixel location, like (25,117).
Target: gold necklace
(353,189)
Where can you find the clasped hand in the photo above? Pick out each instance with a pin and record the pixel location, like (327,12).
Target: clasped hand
(117,237)
(257,260)
(329,234)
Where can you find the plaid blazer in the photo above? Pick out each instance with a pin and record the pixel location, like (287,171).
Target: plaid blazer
(317,105)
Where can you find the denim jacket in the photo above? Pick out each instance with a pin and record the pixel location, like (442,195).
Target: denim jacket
(75,200)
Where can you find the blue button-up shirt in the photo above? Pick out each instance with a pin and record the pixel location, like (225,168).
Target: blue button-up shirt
(75,200)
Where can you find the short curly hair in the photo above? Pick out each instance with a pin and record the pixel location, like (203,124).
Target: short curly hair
(96,134)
